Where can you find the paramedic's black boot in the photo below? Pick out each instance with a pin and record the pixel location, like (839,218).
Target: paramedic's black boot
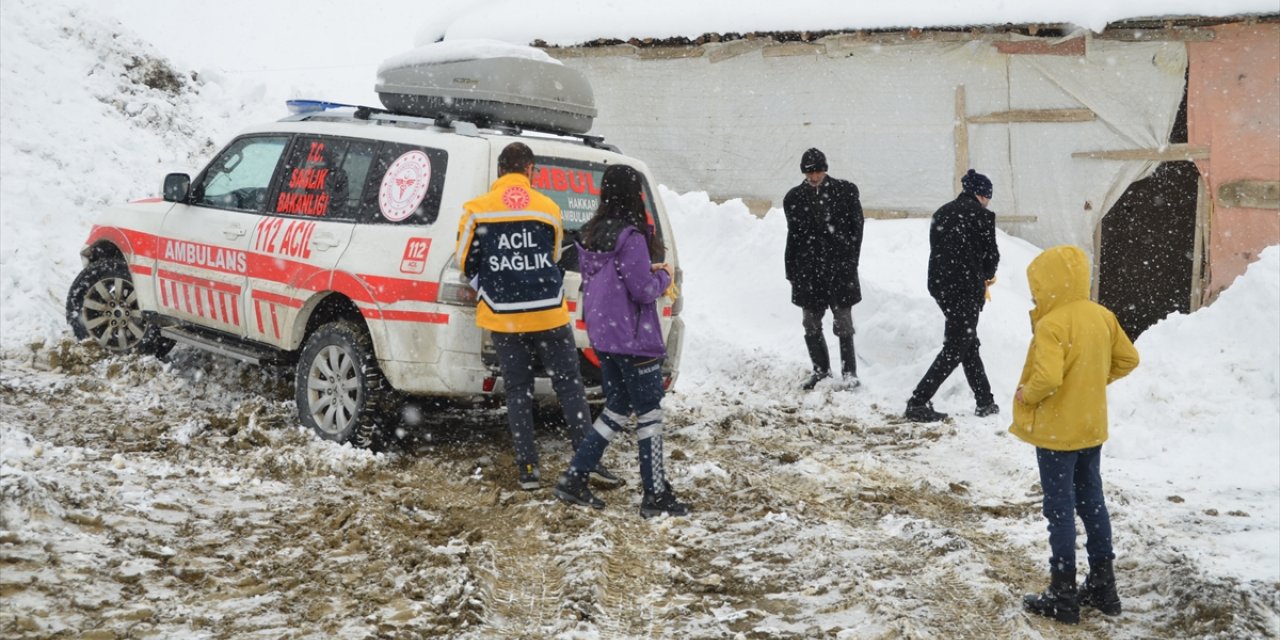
(1060,601)
(572,488)
(848,361)
(821,360)
(602,477)
(1099,590)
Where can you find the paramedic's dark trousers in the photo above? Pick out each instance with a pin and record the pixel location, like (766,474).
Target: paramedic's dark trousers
(556,350)
(959,347)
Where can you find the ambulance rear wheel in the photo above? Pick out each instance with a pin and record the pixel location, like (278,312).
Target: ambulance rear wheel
(102,304)
(341,392)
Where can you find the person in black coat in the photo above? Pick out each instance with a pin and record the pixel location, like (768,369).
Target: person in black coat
(962,261)
(824,242)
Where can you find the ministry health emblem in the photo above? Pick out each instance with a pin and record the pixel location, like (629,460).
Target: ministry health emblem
(515,198)
(404,185)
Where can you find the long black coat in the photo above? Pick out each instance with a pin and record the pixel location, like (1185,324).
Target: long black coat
(824,242)
(962,252)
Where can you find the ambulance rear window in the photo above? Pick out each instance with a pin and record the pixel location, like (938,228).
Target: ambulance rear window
(575,186)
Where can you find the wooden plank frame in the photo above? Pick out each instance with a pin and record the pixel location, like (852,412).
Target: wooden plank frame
(1167,153)
(1199,250)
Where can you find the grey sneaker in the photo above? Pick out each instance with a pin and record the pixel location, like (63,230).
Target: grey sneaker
(572,488)
(602,477)
(530,477)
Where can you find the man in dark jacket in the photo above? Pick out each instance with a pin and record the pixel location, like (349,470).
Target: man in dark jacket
(962,259)
(824,241)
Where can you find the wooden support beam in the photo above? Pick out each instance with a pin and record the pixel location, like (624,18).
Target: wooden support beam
(1250,194)
(1204,209)
(1035,115)
(961,141)
(1181,34)
(1169,153)
(1043,47)
(921,214)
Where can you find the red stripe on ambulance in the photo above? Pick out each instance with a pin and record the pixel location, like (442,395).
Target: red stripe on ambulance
(362,288)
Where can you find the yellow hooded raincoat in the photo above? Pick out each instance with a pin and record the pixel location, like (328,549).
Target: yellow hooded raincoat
(1077,349)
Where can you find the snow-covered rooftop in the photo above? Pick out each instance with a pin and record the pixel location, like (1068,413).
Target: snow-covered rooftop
(570,22)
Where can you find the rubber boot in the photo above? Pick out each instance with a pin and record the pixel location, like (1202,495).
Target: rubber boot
(1099,590)
(821,360)
(1060,601)
(848,361)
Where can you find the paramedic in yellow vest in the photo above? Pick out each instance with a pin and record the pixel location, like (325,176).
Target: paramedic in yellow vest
(508,245)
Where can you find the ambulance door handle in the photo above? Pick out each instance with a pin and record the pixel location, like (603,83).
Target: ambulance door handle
(324,242)
(234,231)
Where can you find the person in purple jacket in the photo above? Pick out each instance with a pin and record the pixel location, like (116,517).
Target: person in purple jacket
(623,277)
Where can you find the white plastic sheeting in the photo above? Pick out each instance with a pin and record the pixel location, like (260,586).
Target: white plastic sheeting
(885,116)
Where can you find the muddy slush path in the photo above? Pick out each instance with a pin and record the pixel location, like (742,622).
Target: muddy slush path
(144,499)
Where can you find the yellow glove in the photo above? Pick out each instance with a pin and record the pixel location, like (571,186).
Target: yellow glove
(672,291)
(987,293)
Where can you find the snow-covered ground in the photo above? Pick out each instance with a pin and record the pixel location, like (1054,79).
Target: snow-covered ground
(178,499)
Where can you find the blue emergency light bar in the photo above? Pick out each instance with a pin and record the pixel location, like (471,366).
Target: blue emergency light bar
(301,106)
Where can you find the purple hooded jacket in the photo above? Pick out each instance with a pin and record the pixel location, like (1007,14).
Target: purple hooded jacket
(618,295)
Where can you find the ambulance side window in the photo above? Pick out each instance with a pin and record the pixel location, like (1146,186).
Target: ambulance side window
(405,185)
(324,177)
(240,177)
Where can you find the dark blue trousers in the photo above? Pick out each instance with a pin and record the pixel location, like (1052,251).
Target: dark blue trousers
(556,350)
(1072,483)
(632,385)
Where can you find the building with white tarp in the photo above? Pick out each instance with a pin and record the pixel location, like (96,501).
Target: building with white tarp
(1063,119)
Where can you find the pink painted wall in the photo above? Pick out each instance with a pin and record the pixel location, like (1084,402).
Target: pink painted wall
(1233,106)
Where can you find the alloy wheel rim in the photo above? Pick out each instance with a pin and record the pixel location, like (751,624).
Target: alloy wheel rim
(111,315)
(333,389)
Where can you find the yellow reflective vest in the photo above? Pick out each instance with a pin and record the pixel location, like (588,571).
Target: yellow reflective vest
(508,244)
(1077,349)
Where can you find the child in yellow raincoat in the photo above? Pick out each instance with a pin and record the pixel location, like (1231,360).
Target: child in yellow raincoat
(1077,349)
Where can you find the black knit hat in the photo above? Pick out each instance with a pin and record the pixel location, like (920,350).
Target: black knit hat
(977,184)
(813,160)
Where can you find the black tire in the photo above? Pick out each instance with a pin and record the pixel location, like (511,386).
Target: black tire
(103,304)
(341,392)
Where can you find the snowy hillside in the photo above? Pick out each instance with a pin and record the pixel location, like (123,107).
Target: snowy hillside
(179,499)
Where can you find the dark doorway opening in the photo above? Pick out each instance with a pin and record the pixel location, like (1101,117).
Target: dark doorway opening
(1148,240)
(1147,243)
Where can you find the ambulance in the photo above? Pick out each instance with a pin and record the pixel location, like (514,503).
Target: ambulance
(326,240)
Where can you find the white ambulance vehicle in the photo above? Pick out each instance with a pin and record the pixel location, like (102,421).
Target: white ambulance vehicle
(327,239)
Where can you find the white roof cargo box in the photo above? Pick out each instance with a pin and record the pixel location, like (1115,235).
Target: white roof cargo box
(494,83)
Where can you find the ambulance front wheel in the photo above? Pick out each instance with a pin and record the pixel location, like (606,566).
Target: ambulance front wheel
(340,390)
(102,304)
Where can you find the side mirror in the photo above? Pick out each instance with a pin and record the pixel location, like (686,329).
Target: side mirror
(176,186)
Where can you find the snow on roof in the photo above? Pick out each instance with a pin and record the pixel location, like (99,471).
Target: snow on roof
(454,50)
(571,22)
